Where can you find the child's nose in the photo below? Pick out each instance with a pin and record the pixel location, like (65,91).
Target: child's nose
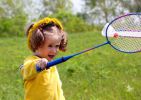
(54,50)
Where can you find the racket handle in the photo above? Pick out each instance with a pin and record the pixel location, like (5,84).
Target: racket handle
(55,62)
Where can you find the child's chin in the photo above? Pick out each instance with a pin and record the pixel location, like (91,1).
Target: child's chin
(49,59)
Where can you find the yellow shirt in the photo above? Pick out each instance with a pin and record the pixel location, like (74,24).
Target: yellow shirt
(44,85)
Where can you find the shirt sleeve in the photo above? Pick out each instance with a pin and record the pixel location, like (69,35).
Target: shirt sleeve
(28,70)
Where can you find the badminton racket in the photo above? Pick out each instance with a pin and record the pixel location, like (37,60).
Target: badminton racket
(123,34)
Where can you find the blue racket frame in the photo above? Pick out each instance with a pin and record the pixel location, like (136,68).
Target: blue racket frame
(65,58)
(114,21)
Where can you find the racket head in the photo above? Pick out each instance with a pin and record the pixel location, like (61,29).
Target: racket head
(124,33)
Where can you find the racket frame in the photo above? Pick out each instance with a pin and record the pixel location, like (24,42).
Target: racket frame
(107,39)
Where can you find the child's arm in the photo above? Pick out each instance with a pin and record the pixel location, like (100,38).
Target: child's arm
(29,69)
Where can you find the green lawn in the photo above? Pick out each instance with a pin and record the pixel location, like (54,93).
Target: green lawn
(101,74)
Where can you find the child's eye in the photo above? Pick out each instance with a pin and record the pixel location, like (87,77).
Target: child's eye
(50,46)
(57,46)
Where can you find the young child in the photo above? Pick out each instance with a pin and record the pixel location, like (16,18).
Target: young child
(45,38)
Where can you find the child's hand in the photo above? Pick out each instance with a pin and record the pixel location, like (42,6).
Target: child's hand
(42,63)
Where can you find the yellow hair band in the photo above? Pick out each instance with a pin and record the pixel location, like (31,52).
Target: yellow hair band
(39,23)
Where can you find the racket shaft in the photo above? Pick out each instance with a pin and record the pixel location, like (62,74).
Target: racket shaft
(65,58)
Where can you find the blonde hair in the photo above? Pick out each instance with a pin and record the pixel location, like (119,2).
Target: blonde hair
(36,33)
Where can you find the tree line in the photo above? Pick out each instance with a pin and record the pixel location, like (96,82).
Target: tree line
(14,14)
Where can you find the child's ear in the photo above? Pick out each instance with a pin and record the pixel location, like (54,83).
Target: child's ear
(41,46)
(28,27)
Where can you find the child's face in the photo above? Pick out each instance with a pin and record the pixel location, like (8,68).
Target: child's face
(50,48)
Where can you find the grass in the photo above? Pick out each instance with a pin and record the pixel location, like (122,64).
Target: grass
(101,74)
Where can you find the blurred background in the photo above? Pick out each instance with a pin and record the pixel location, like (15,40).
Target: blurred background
(15,14)
(101,74)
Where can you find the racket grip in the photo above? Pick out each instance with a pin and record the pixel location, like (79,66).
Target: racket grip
(55,62)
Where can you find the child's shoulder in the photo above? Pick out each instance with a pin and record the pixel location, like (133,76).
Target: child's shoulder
(32,57)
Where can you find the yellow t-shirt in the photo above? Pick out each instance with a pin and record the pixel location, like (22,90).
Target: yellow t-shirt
(44,85)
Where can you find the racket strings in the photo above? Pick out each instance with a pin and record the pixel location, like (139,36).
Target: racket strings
(128,23)
(127,44)
(130,38)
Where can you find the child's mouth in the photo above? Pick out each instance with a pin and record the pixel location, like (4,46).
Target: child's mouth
(51,56)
